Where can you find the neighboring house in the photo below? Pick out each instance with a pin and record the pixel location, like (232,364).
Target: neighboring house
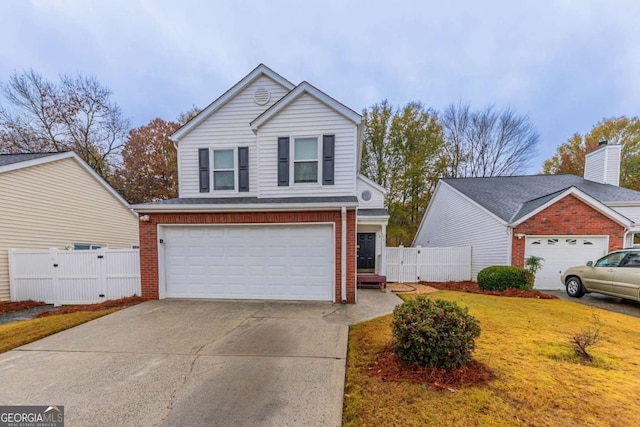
(564,219)
(55,200)
(270,202)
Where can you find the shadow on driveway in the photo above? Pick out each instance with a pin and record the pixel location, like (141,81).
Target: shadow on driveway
(618,305)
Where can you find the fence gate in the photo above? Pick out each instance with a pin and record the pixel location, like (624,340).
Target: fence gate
(73,277)
(443,264)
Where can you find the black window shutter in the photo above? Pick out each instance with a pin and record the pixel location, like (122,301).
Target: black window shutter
(283,161)
(328,161)
(203,162)
(243,168)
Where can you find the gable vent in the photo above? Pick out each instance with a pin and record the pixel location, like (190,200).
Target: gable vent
(261,96)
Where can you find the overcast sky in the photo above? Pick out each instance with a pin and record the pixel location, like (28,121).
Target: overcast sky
(566,64)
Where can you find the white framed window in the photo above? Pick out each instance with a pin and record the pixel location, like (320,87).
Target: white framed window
(87,246)
(224,175)
(305,160)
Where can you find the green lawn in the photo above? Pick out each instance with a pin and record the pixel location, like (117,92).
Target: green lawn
(15,334)
(538,379)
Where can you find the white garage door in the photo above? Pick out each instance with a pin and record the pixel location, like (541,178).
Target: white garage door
(560,253)
(283,262)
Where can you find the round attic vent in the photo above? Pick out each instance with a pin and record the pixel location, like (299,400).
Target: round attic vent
(261,96)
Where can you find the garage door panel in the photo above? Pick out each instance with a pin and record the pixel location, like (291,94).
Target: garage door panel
(560,253)
(250,262)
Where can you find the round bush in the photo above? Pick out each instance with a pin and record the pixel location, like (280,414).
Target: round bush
(434,333)
(501,277)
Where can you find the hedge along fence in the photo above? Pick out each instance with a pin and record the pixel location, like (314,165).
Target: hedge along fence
(501,277)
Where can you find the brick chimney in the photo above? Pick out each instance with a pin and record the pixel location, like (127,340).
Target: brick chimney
(603,165)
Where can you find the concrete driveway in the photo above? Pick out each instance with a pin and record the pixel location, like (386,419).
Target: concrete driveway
(618,305)
(183,363)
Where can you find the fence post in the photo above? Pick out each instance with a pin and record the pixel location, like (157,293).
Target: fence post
(470,262)
(401,247)
(53,259)
(418,262)
(102,267)
(12,275)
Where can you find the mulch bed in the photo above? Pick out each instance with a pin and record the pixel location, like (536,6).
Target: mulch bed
(388,367)
(472,287)
(117,303)
(10,306)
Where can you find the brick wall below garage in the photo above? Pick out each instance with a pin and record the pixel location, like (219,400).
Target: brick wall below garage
(149,240)
(568,216)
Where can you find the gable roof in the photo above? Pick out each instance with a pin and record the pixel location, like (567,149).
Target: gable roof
(512,198)
(260,70)
(305,88)
(11,162)
(532,208)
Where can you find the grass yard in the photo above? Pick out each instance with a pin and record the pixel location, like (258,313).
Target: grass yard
(538,379)
(15,334)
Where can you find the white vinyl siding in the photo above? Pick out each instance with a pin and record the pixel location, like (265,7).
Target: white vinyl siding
(603,165)
(454,220)
(55,205)
(307,116)
(377,196)
(227,127)
(631,212)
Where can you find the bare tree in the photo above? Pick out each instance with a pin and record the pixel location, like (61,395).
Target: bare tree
(486,142)
(74,114)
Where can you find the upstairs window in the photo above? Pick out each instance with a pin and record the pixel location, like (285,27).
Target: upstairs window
(223,170)
(305,160)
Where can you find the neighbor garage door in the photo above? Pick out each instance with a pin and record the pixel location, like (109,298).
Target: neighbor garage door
(283,262)
(560,253)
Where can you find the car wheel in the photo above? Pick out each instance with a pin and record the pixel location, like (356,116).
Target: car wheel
(574,287)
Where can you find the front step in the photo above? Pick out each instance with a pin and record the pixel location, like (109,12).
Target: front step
(371,281)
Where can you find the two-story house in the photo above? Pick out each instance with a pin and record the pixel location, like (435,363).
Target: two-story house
(271,205)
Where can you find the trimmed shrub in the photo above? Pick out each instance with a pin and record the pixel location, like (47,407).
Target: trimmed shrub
(501,277)
(435,333)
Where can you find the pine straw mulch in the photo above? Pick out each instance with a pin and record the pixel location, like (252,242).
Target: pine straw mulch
(117,303)
(10,306)
(472,287)
(389,367)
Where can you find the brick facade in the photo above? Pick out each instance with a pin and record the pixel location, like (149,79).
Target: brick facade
(568,216)
(149,240)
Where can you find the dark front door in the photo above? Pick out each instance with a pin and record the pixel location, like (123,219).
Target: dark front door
(366,251)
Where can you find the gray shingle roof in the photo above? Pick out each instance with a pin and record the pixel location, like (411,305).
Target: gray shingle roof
(512,197)
(372,212)
(9,159)
(250,200)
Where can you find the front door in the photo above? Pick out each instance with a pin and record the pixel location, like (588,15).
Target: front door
(366,251)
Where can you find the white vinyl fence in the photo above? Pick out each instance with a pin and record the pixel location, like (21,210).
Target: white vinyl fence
(410,265)
(73,277)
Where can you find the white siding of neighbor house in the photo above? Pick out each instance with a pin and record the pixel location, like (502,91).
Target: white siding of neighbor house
(57,204)
(306,116)
(227,127)
(454,220)
(377,196)
(631,212)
